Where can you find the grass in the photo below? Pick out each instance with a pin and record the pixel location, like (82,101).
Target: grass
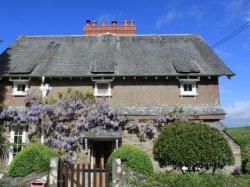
(241,135)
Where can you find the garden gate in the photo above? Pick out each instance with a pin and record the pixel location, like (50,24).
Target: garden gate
(83,176)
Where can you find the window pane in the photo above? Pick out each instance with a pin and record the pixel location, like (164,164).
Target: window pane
(185,87)
(190,88)
(21,87)
(17,141)
(102,88)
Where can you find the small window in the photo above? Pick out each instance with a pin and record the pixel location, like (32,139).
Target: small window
(18,144)
(18,139)
(188,88)
(20,88)
(102,88)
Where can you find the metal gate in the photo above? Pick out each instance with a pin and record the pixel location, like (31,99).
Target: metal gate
(83,176)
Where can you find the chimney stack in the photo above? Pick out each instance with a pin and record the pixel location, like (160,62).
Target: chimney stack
(91,28)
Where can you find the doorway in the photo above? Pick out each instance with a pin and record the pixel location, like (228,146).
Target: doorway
(101,152)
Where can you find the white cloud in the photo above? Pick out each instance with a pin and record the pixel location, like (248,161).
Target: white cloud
(168,17)
(197,12)
(238,113)
(236,9)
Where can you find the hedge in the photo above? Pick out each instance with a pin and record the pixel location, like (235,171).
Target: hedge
(34,158)
(134,158)
(194,145)
(171,179)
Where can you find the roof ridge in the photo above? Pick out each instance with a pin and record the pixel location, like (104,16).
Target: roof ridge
(44,36)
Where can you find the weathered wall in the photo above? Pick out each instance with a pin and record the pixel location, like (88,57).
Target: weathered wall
(147,146)
(130,92)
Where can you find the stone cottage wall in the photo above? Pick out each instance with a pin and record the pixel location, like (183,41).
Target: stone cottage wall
(147,146)
(126,92)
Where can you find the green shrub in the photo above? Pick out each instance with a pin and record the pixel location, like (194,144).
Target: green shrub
(133,158)
(246,159)
(194,145)
(34,158)
(194,179)
(1,184)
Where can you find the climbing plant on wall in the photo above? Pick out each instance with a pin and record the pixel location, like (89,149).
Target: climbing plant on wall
(65,118)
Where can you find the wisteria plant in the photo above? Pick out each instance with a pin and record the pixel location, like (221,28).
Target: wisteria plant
(64,120)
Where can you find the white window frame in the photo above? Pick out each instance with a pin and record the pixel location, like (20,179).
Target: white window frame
(13,134)
(102,81)
(188,93)
(15,92)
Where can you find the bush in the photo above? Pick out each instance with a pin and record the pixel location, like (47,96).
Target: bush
(133,158)
(194,145)
(1,184)
(34,158)
(194,179)
(246,159)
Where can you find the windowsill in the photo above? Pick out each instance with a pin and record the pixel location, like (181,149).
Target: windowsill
(19,94)
(102,95)
(189,95)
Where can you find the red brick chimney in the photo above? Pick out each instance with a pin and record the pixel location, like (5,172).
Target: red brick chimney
(91,28)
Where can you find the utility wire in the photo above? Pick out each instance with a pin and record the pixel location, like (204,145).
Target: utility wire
(231,35)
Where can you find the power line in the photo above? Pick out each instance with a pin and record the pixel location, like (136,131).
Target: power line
(231,35)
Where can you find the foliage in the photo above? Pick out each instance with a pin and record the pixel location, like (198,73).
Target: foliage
(133,158)
(3,144)
(34,158)
(246,159)
(1,184)
(149,128)
(65,119)
(194,179)
(242,136)
(194,145)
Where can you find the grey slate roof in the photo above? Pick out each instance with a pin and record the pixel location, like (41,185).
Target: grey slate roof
(158,110)
(140,55)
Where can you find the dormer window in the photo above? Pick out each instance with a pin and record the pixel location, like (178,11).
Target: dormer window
(20,87)
(188,87)
(102,88)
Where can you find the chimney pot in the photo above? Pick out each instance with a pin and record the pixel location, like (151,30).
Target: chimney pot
(88,22)
(125,22)
(93,23)
(114,23)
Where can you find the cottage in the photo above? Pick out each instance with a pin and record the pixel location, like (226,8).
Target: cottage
(145,75)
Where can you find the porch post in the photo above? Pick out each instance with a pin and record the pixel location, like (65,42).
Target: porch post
(116,143)
(53,174)
(12,135)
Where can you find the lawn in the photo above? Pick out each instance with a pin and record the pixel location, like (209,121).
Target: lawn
(241,135)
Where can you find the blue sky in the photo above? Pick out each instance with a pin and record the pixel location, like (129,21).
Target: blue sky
(212,19)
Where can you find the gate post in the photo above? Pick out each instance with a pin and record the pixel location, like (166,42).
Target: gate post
(53,174)
(116,172)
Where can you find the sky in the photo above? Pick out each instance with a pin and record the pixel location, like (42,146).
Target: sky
(212,19)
